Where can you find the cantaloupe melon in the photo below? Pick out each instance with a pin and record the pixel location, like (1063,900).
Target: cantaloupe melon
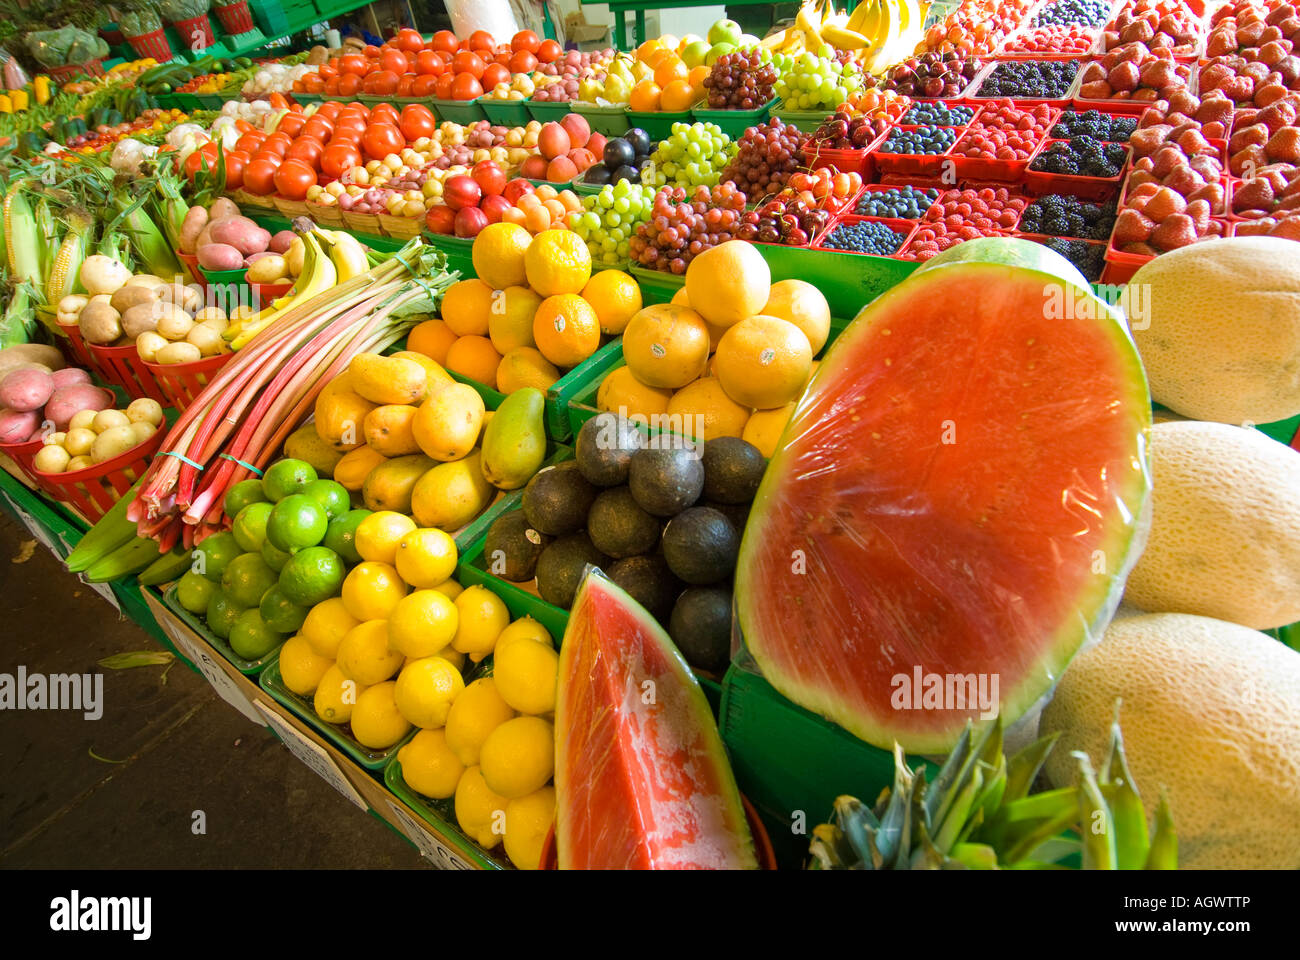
(1211,713)
(1225,526)
(1218,327)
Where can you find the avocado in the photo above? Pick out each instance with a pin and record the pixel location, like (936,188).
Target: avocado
(700,625)
(619,527)
(737,513)
(559,568)
(700,546)
(512,547)
(649,582)
(557,499)
(733,469)
(605,446)
(665,481)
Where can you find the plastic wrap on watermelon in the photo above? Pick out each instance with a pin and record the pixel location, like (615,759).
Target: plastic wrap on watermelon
(956,502)
(641,777)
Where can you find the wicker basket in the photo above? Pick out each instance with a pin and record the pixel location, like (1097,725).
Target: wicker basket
(401,228)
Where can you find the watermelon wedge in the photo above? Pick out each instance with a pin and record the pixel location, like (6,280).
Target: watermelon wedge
(641,778)
(956,501)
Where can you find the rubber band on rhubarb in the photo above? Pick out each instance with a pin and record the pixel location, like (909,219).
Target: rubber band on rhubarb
(246,466)
(180,456)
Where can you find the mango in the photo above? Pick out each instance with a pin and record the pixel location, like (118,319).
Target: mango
(388,430)
(356,465)
(435,376)
(341,414)
(391,485)
(388,379)
(447,424)
(514,443)
(451,494)
(306,444)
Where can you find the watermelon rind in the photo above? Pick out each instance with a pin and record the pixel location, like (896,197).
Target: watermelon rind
(680,809)
(768,642)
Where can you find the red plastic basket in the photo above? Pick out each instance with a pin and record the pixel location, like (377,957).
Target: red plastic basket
(194,30)
(191,262)
(911,164)
(75,348)
(904,228)
(152,45)
(234,17)
(91,68)
(23,454)
(123,367)
(1040,182)
(93,491)
(181,383)
(1004,171)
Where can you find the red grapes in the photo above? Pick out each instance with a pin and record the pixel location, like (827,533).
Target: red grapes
(740,81)
(679,229)
(766,157)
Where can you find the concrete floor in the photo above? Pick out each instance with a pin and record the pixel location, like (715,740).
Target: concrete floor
(169,746)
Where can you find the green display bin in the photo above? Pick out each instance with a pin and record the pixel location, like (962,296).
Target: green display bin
(339,735)
(187,101)
(734,122)
(806,121)
(210,101)
(611,121)
(544,111)
(656,285)
(586,189)
(307,98)
(509,113)
(441,814)
(249,668)
(463,112)
(659,124)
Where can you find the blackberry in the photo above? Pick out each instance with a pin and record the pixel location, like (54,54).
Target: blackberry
(1062,216)
(897,203)
(1093,123)
(1029,79)
(865,236)
(1082,156)
(1088,257)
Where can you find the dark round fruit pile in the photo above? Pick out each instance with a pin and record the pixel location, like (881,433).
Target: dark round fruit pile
(937,114)
(1062,216)
(680,228)
(1090,258)
(1065,13)
(1030,80)
(1082,157)
(786,220)
(845,133)
(932,75)
(899,203)
(765,157)
(865,236)
(1093,123)
(740,81)
(623,158)
(919,140)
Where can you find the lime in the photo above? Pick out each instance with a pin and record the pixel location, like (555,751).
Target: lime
(341,534)
(214,553)
(221,613)
(242,494)
(247,578)
(194,591)
(249,527)
(279,612)
(332,496)
(251,637)
(296,522)
(275,557)
(312,575)
(285,477)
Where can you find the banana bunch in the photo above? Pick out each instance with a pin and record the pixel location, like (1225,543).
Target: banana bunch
(879,33)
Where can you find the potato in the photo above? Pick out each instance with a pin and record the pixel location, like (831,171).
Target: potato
(145,409)
(281,241)
(66,401)
(146,280)
(174,323)
(207,339)
(188,297)
(82,420)
(143,430)
(142,318)
(179,352)
(51,458)
(148,344)
(25,389)
(195,220)
(241,233)
(68,376)
(49,357)
(112,443)
(108,419)
(134,294)
(99,323)
(58,438)
(80,463)
(16,426)
(210,314)
(267,269)
(220,256)
(222,208)
(79,440)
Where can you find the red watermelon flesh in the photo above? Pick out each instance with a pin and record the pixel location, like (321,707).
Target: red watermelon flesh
(641,778)
(959,496)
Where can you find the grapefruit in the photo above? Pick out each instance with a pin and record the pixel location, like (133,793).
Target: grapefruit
(728,283)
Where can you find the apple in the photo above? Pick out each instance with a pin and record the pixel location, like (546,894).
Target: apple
(461,191)
(469,221)
(718,50)
(516,188)
(489,176)
(440,219)
(494,206)
(748,40)
(725,31)
(695,52)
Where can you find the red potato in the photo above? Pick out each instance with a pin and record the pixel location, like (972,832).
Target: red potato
(241,233)
(222,208)
(66,402)
(220,256)
(281,241)
(195,220)
(17,425)
(69,376)
(25,390)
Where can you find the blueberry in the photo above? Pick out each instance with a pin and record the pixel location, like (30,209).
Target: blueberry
(1066,13)
(865,236)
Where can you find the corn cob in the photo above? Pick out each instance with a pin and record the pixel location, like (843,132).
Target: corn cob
(47,239)
(21,237)
(65,268)
(152,251)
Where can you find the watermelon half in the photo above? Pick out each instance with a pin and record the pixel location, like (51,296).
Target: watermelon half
(641,778)
(957,499)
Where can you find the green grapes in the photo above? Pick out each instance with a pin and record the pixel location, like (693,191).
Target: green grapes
(694,154)
(608,220)
(818,82)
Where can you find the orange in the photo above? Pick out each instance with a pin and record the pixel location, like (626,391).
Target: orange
(557,261)
(656,57)
(803,305)
(644,97)
(511,322)
(680,299)
(706,411)
(476,358)
(621,392)
(498,255)
(670,68)
(566,329)
(763,362)
(764,428)
(678,95)
(666,346)
(647,48)
(525,367)
(466,307)
(696,77)
(615,296)
(728,283)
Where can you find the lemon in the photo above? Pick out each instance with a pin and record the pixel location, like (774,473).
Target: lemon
(476,713)
(480,812)
(528,819)
(376,722)
(372,590)
(483,615)
(429,767)
(326,625)
(518,757)
(336,695)
(378,535)
(426,689)
(422,624)
(364,655)
(301,667)
(425,558)
(525,672)
(525,628)
(451,588)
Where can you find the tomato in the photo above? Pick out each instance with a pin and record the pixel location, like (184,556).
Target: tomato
(307,150)
(381,139)
(250,142)
(354,65)
(417,122)
(392,60)
(243,126)
(349,85)
(259,177)
(481,40)
(493,74)
(404,85)
(371,52)
(354,110)
(273,158)
(292,124)
(445,40)
(204,155)
(523,62)
(525,40)
(427,63)
(339,158)
(236,161)
(313,84)
(277,142)
(332,87)
(549,51)
(327,70)
(328,110)
(318,128)
(352,124)
(293,179)
(442,88)
(423,85)
(277,101)
(382,83)
(466,62)
(348,137)
(465,87)
(408,39)
(385,113)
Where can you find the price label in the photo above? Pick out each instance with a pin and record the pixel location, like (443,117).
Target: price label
(442,856)
(312,754)
(226,688)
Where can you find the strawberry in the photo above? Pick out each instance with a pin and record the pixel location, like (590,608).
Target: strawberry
(1164,204)
(1145,140)
(1199,211)
(1095,90)
(1279,114)
(1207,166)
(1141,177)
(1248,161)
(1158,74)
(1184,102)
(1214,108)
(1214,130)
(1166,158)
(1173,232)
(1211,193)
(1131,227)
(1288,229)
(1284,145)
(1142,249)
(1183,179)
(1269,93)
(1254,194)
(1193,143)
(1244,137)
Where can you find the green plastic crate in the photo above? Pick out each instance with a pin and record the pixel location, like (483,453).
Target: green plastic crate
(270,17)
(806,121)
(441,815)
(510,113)
(249,668)
(611,121)
(339,735)
(656,285)
(734,122)
(210,101)
(544,111)
(463,112)
(658,124)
